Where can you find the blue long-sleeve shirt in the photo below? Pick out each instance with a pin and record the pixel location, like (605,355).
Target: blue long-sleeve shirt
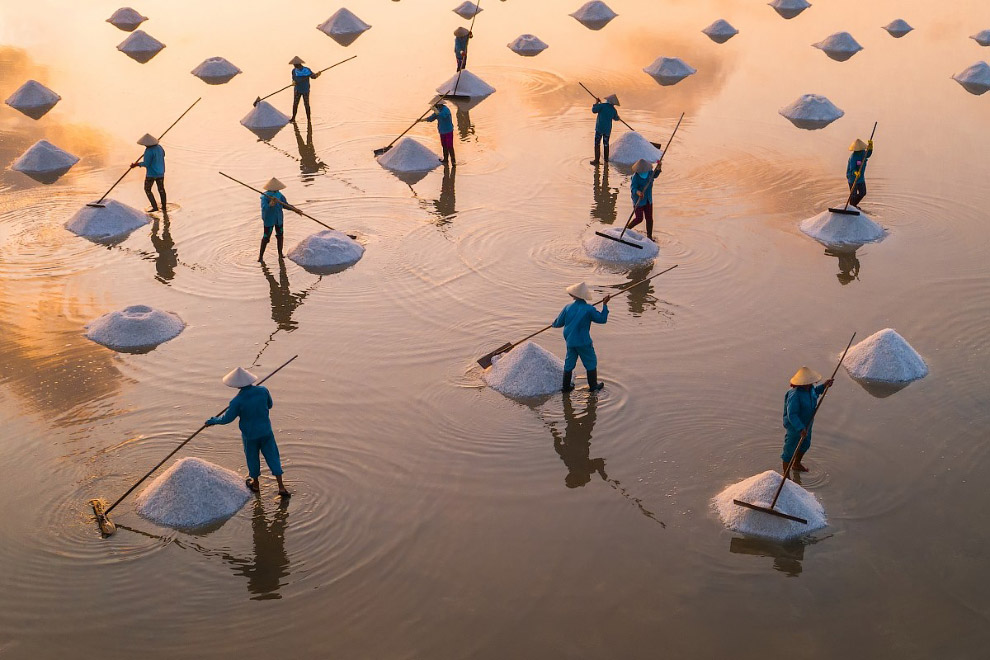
(857,162)
(799,406)
(641,182)
(300,78)
(576,319)
(272,215)
(153,162)
(461,44)
(250,407)
(606,114)
(445,123)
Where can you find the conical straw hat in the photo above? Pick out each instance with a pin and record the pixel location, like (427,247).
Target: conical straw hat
(239,377)
(858,145)
(613,99)
(805,376)
(148,140)
(461,32)
(581,291)
(641,166)
(274,185)
(297,60)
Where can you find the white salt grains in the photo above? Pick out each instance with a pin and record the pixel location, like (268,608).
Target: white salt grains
(44,162)
(720,31)
(759,489)
(409,156)
(467,84)
(604,249)
(467,9)
(264,120)
(975,79)
(594,15)
(126,19)
(33,99)
(140,46)
(215,71)
(343,27)
(527,45)
(630,147)
(841,230)
(134,328)
(526,371)
(839,46)
(789,8)
(885,357)
(112,222)
(192,493)
(669,70)
(328,250)
(811,112)
(897,28)
(982,37)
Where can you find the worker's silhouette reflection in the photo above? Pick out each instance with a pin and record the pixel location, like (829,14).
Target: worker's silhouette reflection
(465,129)
(309,163)
(640,297)
(445,206)
(848,264)
(284,302)
(574,446)
(168,256)
(269,567)
(787,557)
(603,208)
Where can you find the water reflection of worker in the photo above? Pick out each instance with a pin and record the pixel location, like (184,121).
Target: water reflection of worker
(574,448)
(461,36)
(284,302)
(445,204)
(271,562)
(168,256)
(640,295)
(301,75)
(856,170)
(605,197)
(465,129)
(309,163)
(848,265)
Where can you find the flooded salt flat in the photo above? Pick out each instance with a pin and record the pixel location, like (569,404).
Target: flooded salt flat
(432,516)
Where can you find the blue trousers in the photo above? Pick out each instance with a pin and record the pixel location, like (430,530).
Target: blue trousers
(602,138)
(791,439)
(267,447)
(858,192)
(587,355)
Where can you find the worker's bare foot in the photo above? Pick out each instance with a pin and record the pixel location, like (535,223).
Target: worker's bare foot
(800,468)
(252,484)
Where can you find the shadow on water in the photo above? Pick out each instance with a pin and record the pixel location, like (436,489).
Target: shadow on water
(465,129)
(445,206)
(168,256)
(283,301)
(848,264)
(787,556)
(309,162)
(605,197)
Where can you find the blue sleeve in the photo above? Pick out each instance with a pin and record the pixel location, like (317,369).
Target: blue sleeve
(599,317)
(819,389)
(227,417)
(595,108)
(264,200)
(433,117)
(559,321)
(791,410)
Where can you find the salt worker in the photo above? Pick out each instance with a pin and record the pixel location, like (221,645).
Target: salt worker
(603,125)
(641,191)
(461,36)
(301,75)
(856,170)
(445,126)
(799,406)
(576,319)
(153,163)
(250,407)
(272,203)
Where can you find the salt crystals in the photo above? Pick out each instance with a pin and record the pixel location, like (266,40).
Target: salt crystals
(669,70)
(841,230)
(811,112)
(839,46)
(468,85)
(982,37)
(898,28)
(137,328)
(126,19)
(111,222)
(215,71)
(759,489)
(409,156)
(885,357)
(526,371)
(594,15)
(328,250)
(527,45)
(343,27)
(605,249)
(264,120)
(789,8)
(720,31)
(140,46)
(975,79)
(630,147)
(44,162)
(33,99)
(192,493)
(467,9)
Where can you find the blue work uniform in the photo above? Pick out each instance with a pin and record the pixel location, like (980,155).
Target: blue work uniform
(153,162)
(799,406)
(300,79)
(641,182)
(250,407)
(857,162)
(445,123)
(460,50)
(576,319)
(272,216)
(606,115)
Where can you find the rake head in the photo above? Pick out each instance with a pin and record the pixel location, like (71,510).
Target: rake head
(619,240)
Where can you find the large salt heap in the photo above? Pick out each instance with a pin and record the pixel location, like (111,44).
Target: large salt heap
(720,31)
(112,222)
(343,27)
(982,37)
(467,9)
(526,371)
(594,15)
(669,70)
(192,493)
(468,85)
(839,46)
(44,162)
(841,230)
(126,19)
(409,156)
(759,489)
(789,8)
(630,147)
(885,357)
(811,112)
(897,28)
(328,250)
(33,99)
(134,328)
(264,120)
(611,251)
(527,45)
(215,71)
(140,46)
(975,79)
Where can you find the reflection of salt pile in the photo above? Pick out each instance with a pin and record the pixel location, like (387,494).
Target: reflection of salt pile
(975,79)
(527,45)
(982,37)
(759,489)
(44,162)
(467,9)
(343,27)
(114,221)
(33,99)
(134,327)
(409,156)
(811,112)
(630,147)
(594,15)
(328,249)
(720,31)
(468,85)
(898,28)
(886,357)
(140,46)
(669,70)
(264,120)
(839,229)
(215,71)
(839,46)
(126,19)
(789,8)
(604,249)
(192,493)
(526,371)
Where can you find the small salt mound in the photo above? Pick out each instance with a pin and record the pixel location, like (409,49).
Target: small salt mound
(126,19)
(328,249)
(409,156)
(898,28)
(134,327)
(839,46)
(720,31)
(811,112)
(44,162)
(467,9)
(594,15)
(215,71)
(343,27)
(140,46)
(527,45)
(982,37)
(789,8)
(759,489)
(192,493)
(33,99)
(630,147)
(975,79)
(526,371)
(468,85)
(604,249)
(886,357)
(264,120)
(113,222)
(669,70)
(839,229)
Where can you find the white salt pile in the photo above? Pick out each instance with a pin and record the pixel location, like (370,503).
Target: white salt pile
(140,46)
(669,70)
(526,371)
(467,9)
(134,327)
(630,147)
(328,249)
(841,230)
(44,162)
(527,45)
(112,222)
(343,27)
(982,37)
(611,251)
(215,71)
(975,79)
(789,8)
(897,28)
(468,85)
(33,99)
(594,15)
(886,357)
(811,112)
(409,156)
(192,493)
(839,46)
(720,31)
(126,19)
(759,489)
(264,120)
